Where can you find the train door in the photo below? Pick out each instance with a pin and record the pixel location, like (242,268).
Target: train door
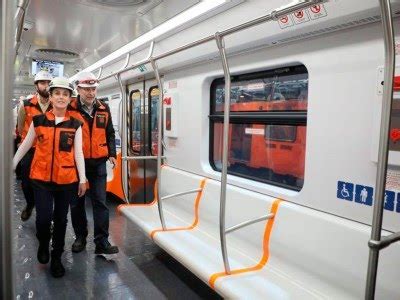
(141,173)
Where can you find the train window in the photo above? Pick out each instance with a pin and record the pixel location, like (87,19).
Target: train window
(283,89)
(154,95)
(135,122)
(280,133)
(267,131)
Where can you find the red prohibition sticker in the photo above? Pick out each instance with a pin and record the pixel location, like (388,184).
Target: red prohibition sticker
(299,14)
(285,21)
(317,11)
(300,17)
(316,8)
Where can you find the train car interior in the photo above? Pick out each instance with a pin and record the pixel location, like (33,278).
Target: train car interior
(250,149)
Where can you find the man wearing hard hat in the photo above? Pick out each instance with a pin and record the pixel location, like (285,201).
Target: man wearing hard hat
(37,105)
(98,147)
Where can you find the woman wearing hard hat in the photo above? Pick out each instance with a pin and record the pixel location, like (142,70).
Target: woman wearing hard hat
(57,172)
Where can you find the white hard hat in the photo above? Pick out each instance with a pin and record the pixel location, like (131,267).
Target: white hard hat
(87,79)
(61,82)
(43,75)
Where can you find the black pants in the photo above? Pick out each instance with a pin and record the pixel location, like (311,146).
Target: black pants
(53,205)
(25,180)
(97,177)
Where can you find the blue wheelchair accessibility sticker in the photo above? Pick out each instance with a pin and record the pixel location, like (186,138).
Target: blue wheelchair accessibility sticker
(389,200)
(345,190)
(398,203)
(364,194)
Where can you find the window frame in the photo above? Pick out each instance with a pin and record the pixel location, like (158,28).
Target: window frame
(290,118)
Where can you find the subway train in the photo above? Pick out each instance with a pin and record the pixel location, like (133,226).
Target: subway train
(258,151)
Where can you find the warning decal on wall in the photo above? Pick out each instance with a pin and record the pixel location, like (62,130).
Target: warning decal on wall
(317,11)
(314,12)
(300,17)
(285,21)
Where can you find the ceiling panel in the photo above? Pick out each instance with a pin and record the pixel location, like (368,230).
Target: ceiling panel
(90,28)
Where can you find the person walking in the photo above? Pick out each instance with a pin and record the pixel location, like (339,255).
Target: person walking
(56,164)
(34,106)
(98,147)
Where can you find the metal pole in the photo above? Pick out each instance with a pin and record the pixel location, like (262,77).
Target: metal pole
(159,145)
(124,139)
(140,157)
(247,223)
(181,194)
(7,31)
(380,184)
(273,16)
(224,171)
(100,72)
(20,18)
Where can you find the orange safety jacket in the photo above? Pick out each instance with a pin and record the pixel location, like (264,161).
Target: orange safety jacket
(95,130)
(54,160)
(32,108)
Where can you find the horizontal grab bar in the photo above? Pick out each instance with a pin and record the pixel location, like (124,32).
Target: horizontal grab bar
(140,157)
(241,225)
(180,194)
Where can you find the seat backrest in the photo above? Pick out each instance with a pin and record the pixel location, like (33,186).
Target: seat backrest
(318,247)
(176,181)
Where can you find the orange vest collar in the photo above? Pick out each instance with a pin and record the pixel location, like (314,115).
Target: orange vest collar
(50,115)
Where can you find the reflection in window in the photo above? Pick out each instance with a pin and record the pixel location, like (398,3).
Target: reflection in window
(136,121)
(267,131)
(154,103)
(256,155)
(280,133)
(277,90)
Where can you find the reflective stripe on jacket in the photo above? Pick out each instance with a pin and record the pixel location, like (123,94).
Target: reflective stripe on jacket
(54,160)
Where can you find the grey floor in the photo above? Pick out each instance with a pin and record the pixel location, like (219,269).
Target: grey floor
(140,271)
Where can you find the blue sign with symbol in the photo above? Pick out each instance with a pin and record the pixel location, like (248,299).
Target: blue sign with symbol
(364,194)
(389,200)
(345,190)
(398,203)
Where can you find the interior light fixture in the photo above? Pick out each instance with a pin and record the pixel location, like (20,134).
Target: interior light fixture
(177,21)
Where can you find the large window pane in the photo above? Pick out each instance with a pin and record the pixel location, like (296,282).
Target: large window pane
(267,134)
(284,89)
(273,153)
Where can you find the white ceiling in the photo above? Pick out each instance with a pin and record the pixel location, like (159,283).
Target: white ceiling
(91,29)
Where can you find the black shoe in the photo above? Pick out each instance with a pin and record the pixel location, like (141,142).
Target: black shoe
(79,244)
(56,267)
(26,213)
(106,248)
(43,254)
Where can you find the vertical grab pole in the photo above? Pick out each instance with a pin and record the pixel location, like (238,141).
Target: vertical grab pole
(159,145)
(387,100)
(222,232)
(124,139)
(7,35)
